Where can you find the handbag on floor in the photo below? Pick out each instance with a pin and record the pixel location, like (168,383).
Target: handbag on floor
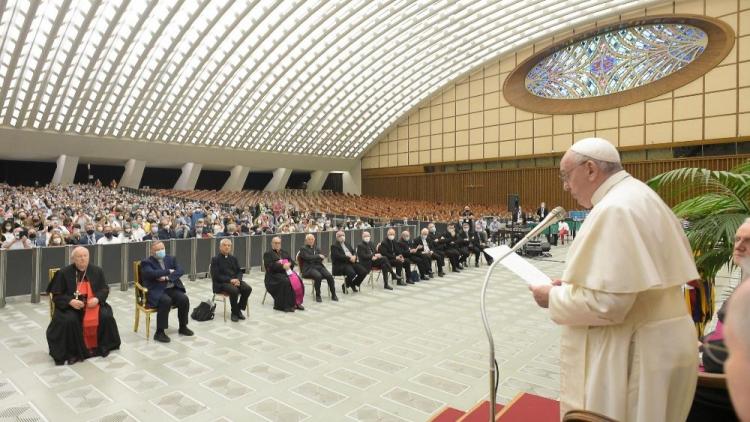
(204,311)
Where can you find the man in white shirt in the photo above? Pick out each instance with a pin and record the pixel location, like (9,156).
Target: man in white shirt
(109,237)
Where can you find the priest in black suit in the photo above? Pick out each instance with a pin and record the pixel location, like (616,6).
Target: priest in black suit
(226,276)
(369,257)
(280,277)
(344,260)
(83,324)
(390,249)
(311,262)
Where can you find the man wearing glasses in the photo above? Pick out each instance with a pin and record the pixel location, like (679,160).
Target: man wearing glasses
(627,343)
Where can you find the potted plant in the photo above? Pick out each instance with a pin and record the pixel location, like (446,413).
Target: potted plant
(713,204)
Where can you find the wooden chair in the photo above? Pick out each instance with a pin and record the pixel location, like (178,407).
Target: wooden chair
(710,380)
(586,416)
(50,275)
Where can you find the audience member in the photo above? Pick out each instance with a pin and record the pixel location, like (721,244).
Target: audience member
(344,262)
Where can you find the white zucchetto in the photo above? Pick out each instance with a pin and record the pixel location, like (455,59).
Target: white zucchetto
(598,149)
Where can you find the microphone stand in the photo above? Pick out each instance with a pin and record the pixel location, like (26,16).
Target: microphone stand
(553,217)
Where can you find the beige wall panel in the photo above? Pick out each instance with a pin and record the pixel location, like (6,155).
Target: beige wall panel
(476,87)
(508,132)
(721,127)
(659,111)
(491,84)
(436,141)
(424,143)
(491,117)
(436,112)
(413,131)
(492,69)
(476,152)
(523,115)
(413,145)
(449,154)
(507,149)
(632,114)
(692,88)
(723,102)
(507,115)
(543,145)
(449,109)
(688,130)
(462,122)
(607,118)
(413,158)
(612,135)
(744,48)
(688,107)
(492,133)
(476,120)
(491,101)
(744,76)
(462,91)
(449,124)
(462,107)
(562,123)
(476,136)
(449,139)
(524,146)
(525,129)
(631,136)
(403,145)
(720,7)
(436,155)
(694,7)
(476,104)
(721,78)
(491,150)
(562,142)
(424,128)
(543,127)
(744,125)
(659,133)
(584,122)
(436,127)
(744,100)
(462,137)
(462,153)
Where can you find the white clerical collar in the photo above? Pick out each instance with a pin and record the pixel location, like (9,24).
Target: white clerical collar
(607,185)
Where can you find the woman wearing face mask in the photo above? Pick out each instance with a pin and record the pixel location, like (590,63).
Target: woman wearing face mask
(7,230)
(56,239)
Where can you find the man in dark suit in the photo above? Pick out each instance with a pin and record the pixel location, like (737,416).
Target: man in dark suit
(430,250)
(83,324)
(166,231)
(90,236)
(542,211)
(369,258)
(161,274)
(344,260)
(441,247)
(311,263)
(390,249)
(459,244)
(226,276)
(413,254)
(477,243)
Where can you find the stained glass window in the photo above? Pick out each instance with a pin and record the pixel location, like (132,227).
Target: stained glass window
(616,61)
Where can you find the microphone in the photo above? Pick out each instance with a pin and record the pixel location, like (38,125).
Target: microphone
(553,217)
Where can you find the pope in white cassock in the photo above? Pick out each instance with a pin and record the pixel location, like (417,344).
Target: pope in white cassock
(628,345)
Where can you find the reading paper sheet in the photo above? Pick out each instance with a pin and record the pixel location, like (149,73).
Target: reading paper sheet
(522,268)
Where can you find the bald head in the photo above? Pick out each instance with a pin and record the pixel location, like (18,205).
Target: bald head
(80,257)
(737,340)
(309,240)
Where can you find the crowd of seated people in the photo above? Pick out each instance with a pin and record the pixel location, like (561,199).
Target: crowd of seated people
(95,214)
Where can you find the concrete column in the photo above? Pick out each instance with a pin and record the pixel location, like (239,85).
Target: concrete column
(352,179)
(65,172)
(131,177)
(188,177)
(279,180)
(317,180)
(236,179)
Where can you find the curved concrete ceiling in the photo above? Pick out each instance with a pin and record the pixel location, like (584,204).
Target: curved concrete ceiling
(307,78)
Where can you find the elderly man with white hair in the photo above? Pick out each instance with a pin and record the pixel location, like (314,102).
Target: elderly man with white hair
(83,324)
(226,276)
(737,330)
(628,343)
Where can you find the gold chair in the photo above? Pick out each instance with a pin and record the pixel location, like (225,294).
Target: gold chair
(141,301)
(50,275)
(585,416)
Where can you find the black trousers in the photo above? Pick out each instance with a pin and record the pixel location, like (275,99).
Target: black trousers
(355,274)
(476,250)
(237,295)
(422,262)
(439,257)
(398,265)
(453,256)
(176,298)
(385,267)
(318,273)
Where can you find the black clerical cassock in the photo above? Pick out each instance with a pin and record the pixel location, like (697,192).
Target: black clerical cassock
(65,333)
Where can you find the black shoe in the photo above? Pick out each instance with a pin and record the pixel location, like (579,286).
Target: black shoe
(424,277)
(73,360)
(318,299)
(409,282)
(235,318)
(343,287)
(476,264)
(387,287)
(161,337)
(401,283)
(441,274)
(355,289)
(300,307)
(334,297)
(240,316)
(290,309)
(185,331)
(59,362)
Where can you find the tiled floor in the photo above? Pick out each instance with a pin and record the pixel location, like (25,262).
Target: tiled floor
(373,356)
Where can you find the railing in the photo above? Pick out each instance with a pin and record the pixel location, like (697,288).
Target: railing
(23,272)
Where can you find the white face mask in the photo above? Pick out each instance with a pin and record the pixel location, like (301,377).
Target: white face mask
(391,237)
(365,239)
(406,238)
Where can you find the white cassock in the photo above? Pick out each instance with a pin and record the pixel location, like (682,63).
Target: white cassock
(628,345)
